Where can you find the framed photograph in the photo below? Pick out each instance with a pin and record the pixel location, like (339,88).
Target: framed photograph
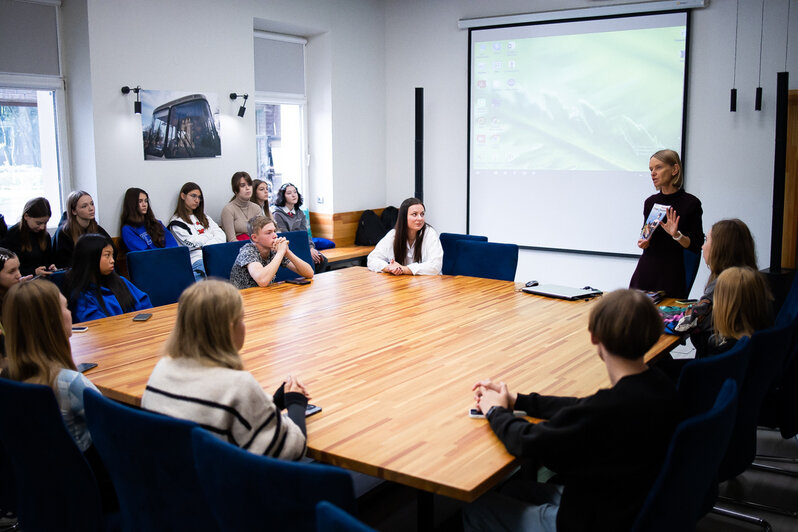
(180,125)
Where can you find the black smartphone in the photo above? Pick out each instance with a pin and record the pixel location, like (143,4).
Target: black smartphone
(142,317)
(83,367)
(312,409)
(298,280)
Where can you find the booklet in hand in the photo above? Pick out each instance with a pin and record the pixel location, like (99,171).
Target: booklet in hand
(655,217)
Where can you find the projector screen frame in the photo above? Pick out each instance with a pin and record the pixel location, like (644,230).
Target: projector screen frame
(576,18)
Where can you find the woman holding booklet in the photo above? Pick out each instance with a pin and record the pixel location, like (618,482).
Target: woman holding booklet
(672,223)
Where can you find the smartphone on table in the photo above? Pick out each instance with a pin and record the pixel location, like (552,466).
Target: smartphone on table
(298,280)
(142,317)
(312,409)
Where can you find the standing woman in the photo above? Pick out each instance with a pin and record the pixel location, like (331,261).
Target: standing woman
(193,228)
(661,266)
(411,248)
(79,221)
(30,240)
(139,227)
(289,217)
(237,214)
(95,289)
(260,196)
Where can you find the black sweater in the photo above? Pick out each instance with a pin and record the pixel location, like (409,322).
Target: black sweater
(607,449)
(28,260)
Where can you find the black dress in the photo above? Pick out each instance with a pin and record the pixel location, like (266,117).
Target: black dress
(661,266)
(29,260)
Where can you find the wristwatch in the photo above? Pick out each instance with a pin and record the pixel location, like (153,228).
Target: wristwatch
(490,410)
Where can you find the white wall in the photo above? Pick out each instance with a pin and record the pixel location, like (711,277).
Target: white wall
(206,46)
(728,158)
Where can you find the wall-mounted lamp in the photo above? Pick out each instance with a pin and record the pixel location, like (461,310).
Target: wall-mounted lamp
(137,103)
(243,108)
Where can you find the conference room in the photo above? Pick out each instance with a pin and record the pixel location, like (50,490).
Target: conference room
(361,63)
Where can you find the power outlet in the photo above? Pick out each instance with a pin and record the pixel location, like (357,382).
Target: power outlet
(319,200)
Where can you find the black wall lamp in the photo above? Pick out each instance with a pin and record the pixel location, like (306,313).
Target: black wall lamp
(243,108)
(137,103)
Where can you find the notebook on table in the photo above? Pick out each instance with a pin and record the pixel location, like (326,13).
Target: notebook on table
(562,292)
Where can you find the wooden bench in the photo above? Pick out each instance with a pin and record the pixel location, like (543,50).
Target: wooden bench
(341,227)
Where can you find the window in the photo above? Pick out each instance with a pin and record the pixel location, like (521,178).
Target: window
(30,165)
(280,137)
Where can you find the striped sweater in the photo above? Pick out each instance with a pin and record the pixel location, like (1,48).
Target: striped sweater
(229,403)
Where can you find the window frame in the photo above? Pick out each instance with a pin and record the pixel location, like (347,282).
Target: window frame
(57,85)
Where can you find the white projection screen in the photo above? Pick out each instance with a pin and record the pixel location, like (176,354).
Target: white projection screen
(563,118)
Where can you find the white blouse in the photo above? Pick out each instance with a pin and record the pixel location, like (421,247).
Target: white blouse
(431,254)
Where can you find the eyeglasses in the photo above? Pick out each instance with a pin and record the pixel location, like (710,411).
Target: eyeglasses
(195,196)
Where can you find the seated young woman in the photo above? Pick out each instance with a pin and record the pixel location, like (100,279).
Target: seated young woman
(742,305)
(202,378)
(728,243)
(411,248)
(260,196)
(139,227)
(258,261)
(239,211)
(9,276)
(30,241)
(95,289)
(606,449)
(289,217)
(193,228)
(79,221)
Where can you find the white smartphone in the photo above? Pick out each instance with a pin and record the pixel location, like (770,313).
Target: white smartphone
(81,328)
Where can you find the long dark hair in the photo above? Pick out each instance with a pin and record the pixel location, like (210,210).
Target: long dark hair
(400,238)
(35,208)
(132,216)
(732,245)
(280,200)
(182,211)
(71,226)
(85,275)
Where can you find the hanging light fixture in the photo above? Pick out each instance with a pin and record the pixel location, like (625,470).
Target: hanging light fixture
(137,103)
(243,108)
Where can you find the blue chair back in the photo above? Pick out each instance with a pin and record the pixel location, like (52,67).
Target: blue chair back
(449,245)
(298,244)
(55,486)
(251,492)
(330,518)
(692,260)
(162,273)
(219,258)
(150,462)
(489,260)
(701,379)
(687,482)
(766,362)
(788,312)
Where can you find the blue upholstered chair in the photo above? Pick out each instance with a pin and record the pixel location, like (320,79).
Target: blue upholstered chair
(249,492)
(150,461)
(298,244)
(330,518)
(449,245)
(162,273)
(219,258)
(789,309)
(701,379)
(489,260)
(55,486)
(688,478)
(692,260)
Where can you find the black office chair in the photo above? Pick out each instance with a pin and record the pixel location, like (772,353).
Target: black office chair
(688,480)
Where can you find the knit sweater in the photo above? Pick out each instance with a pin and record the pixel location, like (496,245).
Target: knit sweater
(228,403)
(236,216)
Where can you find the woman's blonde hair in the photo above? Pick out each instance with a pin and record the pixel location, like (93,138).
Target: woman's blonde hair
(36,342)
(206,313)
(742,303)
(671,157)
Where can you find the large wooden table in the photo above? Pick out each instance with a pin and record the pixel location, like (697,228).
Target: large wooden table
(391,360)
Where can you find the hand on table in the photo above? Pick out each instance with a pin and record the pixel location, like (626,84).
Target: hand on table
(293,384)
(394,268)
(488,394)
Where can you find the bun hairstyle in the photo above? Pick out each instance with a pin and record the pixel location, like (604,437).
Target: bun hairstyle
(400,238)
(182,211)
(37,345)
(132,216)
(672,158)
(280,199)
(206,313)
(35,208)
(85,275)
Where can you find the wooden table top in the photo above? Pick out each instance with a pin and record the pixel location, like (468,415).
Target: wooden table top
(391,361)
